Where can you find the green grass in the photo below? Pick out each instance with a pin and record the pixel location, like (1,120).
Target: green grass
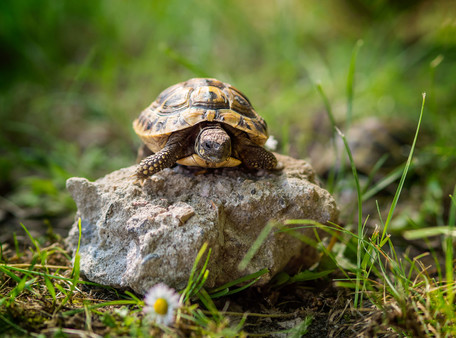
(25,286)
(74,76)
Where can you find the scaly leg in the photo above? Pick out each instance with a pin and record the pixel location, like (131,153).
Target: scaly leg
(257,157)
(165,158)
(252,155)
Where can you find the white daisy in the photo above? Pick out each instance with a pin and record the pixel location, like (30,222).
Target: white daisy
(161,303)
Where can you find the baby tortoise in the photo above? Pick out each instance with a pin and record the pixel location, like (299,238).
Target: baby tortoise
(204,123)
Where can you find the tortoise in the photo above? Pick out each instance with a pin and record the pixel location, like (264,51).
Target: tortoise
(204,123)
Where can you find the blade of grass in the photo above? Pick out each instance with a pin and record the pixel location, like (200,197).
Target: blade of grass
(46,267)
(75,273)
(309,275)
(241,323)
(404,174)
(198,285)
(10,274)
(255,246)
(209,304)
(374,171)
(50,288)
(429,232)
(35,244)
(16,245)
(99,305)
(389,283)
(132,296)
(240,280)
(23,284)
(227,292)
(186,293)
(61,289)
(385,182)
(202,277)
(327,107)
(360,217)
(43,274)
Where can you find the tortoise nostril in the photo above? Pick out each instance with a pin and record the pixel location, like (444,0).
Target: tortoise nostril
(207,145)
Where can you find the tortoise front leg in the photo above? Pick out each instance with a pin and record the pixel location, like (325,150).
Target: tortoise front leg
(165,158)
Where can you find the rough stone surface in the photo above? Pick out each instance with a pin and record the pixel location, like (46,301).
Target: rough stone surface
(134,237)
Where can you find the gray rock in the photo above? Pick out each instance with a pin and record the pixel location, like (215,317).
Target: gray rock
(134,237)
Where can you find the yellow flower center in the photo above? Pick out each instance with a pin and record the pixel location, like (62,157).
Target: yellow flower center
(161,306)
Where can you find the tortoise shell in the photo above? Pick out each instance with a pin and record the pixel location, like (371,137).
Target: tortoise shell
(189,103)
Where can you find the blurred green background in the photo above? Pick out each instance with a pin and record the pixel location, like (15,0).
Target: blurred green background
(74,75)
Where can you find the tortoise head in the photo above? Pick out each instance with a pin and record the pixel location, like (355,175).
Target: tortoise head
(213,144)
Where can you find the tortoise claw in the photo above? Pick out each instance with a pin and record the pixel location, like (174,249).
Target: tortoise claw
(138,180)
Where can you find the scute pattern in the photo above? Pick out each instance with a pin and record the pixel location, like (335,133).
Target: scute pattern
(197,100)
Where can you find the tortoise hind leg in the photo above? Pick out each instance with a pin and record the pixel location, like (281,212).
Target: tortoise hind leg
(252,155)
(257,157)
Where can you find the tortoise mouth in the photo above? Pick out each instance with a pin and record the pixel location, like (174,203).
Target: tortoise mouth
(213,144)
